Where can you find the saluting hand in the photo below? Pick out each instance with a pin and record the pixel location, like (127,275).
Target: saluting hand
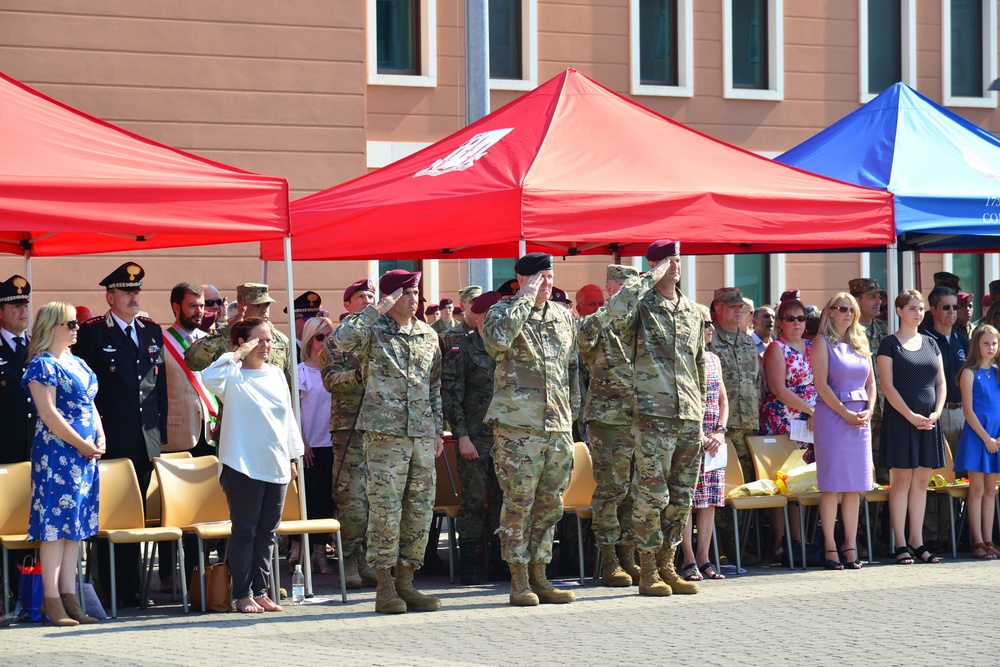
(243,350)
(386,303)
(659,270)
(531,286)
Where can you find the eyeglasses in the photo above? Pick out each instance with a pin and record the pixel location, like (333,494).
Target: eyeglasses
(72,324)
(948,306)
(320,337)
(794,318)
(210,303)
(708,324)
(841,309)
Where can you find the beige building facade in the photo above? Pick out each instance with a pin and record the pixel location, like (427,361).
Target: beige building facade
(321,91)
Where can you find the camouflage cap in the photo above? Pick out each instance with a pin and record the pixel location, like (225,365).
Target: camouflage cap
(620,273)
(863,286)
(731,296)
(945,279)
(469,293)
(253,294)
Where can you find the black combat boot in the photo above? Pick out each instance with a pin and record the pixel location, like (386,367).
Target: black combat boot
(470,568)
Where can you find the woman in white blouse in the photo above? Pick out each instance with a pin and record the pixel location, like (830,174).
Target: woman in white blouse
(259,441)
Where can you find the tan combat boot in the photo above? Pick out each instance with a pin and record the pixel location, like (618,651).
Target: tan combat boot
(415,600)
(612,573)
(668,573)
(546,592)
(649,579)
(351,577)
(386,599)
(626,556)
(366,572)
(520,591)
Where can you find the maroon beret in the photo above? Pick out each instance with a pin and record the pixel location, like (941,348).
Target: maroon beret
(398,279)
(430,310)
(964,298)
(445,302)
(459,311)
(559,296)
(790,294)
(484,301)
(660,250)
(363,285)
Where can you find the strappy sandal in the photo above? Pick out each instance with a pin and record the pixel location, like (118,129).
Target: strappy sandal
(833,564)
(691,572)
(708,571)
(903,556)
(992,548)
(984,551)
(851,564)
(924,555)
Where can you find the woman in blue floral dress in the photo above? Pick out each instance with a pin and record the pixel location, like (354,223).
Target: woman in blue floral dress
(69,439)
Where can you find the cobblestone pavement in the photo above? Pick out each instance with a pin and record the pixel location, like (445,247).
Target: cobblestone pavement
(881,615)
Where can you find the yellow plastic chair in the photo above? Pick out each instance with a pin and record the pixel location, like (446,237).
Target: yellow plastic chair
(194,502)
(292,523)
(121,520)
(734,478)
(448,498)
(15,508)
(768,453)
(955,492)
(153,491)
(579,494)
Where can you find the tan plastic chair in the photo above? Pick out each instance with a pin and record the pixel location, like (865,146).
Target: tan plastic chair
(734,478)
(579,494)
(15,508)
(193,501)
(292,523)
(448,499)
(121,519)
(958,492)
(153,491)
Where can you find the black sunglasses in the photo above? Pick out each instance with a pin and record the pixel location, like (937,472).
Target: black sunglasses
(209,303)
(841,309)
(72,324)
(794,318)
(948,306)
(708,324)
(320,337)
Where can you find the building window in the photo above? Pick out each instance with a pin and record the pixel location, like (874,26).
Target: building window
(969,269)
(879,270)
(503,270)
(402,42)
(888,51)
(661,38)
(513,44)
(968,50)
(750,274)
(753,46)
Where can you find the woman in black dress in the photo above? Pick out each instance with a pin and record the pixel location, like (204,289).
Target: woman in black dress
(913,382)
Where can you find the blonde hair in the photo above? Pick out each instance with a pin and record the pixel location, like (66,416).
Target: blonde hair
(311,328)
(973,360)
(50,316)
(855,335)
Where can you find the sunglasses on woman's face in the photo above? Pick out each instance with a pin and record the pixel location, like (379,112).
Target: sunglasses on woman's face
(72,324)
(794,318)
(841,309)
(708,324)
(320,337)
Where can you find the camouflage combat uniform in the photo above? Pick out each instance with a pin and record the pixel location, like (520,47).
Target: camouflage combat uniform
(440,328)
(741,375)
(669,385)
(876,331)
(536,396)
(204,352)
(400,418)
(607,411)
(340,377)
(466,392)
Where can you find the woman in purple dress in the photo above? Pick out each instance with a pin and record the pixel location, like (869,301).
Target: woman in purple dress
(845,382)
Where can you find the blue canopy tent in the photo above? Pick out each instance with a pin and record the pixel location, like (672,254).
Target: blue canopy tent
(943,171)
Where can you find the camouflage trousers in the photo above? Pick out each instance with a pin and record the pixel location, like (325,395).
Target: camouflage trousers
(667,458)
(401,487)
(612,448)
(881,474)
(481,495)
(533,469)
(349,492)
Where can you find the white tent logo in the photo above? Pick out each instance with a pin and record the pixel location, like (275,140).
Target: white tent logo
(465,155)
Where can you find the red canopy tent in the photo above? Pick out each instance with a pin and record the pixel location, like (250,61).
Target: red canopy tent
(572,167)
(72,184)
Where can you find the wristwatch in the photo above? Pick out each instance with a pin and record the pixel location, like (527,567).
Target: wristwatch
(723,429)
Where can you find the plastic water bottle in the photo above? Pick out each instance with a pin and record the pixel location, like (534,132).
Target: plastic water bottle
(298,586)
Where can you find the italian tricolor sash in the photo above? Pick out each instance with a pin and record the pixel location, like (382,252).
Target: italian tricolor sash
(176,344)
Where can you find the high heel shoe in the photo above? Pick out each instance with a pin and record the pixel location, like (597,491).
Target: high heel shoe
(319,559)
(52,609)
(834,564)
(71,603)
(851,564)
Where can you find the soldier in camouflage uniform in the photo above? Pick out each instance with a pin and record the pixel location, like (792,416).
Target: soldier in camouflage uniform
(446,322)
(665,330)
(867,292)
(536,395)
(607,412)
(253,300)
(344,379)
(450,338)
(402,425)
(466,392)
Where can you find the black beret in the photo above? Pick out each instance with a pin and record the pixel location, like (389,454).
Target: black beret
(532,263)
(509,288)
(660,250)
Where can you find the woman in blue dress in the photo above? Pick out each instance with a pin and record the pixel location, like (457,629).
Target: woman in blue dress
(69,439)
